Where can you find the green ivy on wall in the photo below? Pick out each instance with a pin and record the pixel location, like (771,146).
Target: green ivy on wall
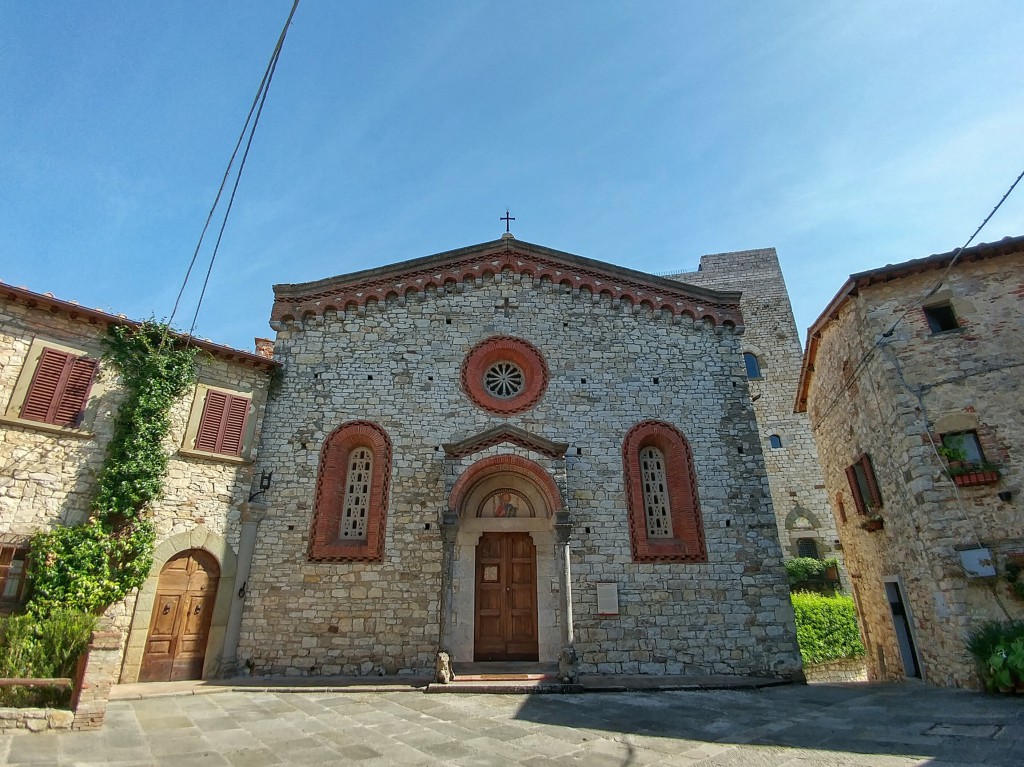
(91,566)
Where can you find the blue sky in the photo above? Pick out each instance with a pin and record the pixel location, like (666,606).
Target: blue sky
(846,135)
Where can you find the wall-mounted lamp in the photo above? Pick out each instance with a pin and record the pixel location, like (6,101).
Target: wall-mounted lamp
(1005,496)
(265,480)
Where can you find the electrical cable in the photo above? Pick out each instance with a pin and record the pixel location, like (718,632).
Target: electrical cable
(930,292)
(253,117)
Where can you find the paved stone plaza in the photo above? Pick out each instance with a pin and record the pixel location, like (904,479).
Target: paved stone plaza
(796,726)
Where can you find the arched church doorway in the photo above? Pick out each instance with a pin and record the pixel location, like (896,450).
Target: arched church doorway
(179,627)
(504,590)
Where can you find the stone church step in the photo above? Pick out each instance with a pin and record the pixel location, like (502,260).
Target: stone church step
(499,685)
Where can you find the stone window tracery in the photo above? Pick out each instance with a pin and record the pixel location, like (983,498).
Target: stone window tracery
(357,493)
(655,491)
(504,379)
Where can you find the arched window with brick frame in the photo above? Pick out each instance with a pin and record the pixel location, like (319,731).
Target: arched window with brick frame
(665,523)
(350,513)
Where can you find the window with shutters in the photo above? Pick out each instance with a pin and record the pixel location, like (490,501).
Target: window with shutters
(13,564)
(219,425)
(661,495)
(863,485)
(54,388)
(350,508)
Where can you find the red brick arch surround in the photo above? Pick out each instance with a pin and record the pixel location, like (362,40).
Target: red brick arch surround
(324,543)
(505,349)
(687,541)
(505,464)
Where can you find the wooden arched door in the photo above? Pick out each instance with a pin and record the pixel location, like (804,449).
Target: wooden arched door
(180,624)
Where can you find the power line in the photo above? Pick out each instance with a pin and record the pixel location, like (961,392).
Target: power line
(931,291)
(255,110)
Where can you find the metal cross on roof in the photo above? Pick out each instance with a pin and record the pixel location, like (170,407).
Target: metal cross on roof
(507,218)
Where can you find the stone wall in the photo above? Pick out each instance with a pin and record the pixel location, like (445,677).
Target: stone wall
(48,474)
(914,386)
(611,366)
(837,671)
(802,508)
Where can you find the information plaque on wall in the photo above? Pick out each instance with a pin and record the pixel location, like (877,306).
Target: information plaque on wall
(607,599)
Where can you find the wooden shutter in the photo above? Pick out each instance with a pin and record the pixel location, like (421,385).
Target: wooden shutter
(208,435)
(234,425)
(858,500)
(869,475)
(59,388)
(71,403)
(222,426)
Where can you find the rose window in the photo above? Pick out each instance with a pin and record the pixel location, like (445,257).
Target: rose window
(504,380)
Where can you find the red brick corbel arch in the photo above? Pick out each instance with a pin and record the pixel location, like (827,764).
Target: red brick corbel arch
(325,545)
(687,541)
(505,464)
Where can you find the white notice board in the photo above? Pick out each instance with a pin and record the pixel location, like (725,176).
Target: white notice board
(607,599)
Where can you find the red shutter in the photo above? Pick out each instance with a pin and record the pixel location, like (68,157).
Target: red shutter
(71,403)
(210,425)
(222,426)
(869,474)
(59,389)
(234,427)
(851,477)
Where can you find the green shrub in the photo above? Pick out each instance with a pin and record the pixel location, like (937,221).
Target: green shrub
(826,627)
(998,649)
(42,648)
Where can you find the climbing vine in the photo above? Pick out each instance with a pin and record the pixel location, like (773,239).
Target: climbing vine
(92,565)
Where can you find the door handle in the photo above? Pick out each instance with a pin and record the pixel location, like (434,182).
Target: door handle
(167,609)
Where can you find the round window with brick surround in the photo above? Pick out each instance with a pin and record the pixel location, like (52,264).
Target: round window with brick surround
(504,375)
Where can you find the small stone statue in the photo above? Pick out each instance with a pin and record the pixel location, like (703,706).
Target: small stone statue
(568,659)
(443,669)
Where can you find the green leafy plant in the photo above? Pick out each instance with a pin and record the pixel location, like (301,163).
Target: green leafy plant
(998,650)
(1013,576)
(826,627)
(92,565)
(42,648)
(955,454)
(801,569)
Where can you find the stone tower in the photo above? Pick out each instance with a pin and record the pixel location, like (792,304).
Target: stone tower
(801,503)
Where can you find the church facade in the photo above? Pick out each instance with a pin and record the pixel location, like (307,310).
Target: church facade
(503,451)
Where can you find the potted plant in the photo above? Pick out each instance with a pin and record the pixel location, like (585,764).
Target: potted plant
(873,523)
(998,650)
(964,472)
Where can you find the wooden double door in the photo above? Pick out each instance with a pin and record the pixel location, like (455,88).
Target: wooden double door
(506,598)
(182,612)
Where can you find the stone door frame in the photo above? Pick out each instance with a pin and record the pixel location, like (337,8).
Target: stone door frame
(462,534)
(197,538)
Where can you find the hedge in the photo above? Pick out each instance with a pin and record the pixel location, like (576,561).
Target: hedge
(826,627)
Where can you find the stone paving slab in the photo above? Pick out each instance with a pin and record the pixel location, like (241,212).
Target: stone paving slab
(907,725)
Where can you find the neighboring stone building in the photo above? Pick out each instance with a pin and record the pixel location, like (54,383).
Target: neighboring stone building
(772,355)
(505,450)
(58,400)
(912,373)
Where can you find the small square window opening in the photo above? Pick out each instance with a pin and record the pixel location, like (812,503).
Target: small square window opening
(941,318)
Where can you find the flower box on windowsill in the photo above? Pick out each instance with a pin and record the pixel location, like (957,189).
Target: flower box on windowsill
(971,478)
(873,524)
